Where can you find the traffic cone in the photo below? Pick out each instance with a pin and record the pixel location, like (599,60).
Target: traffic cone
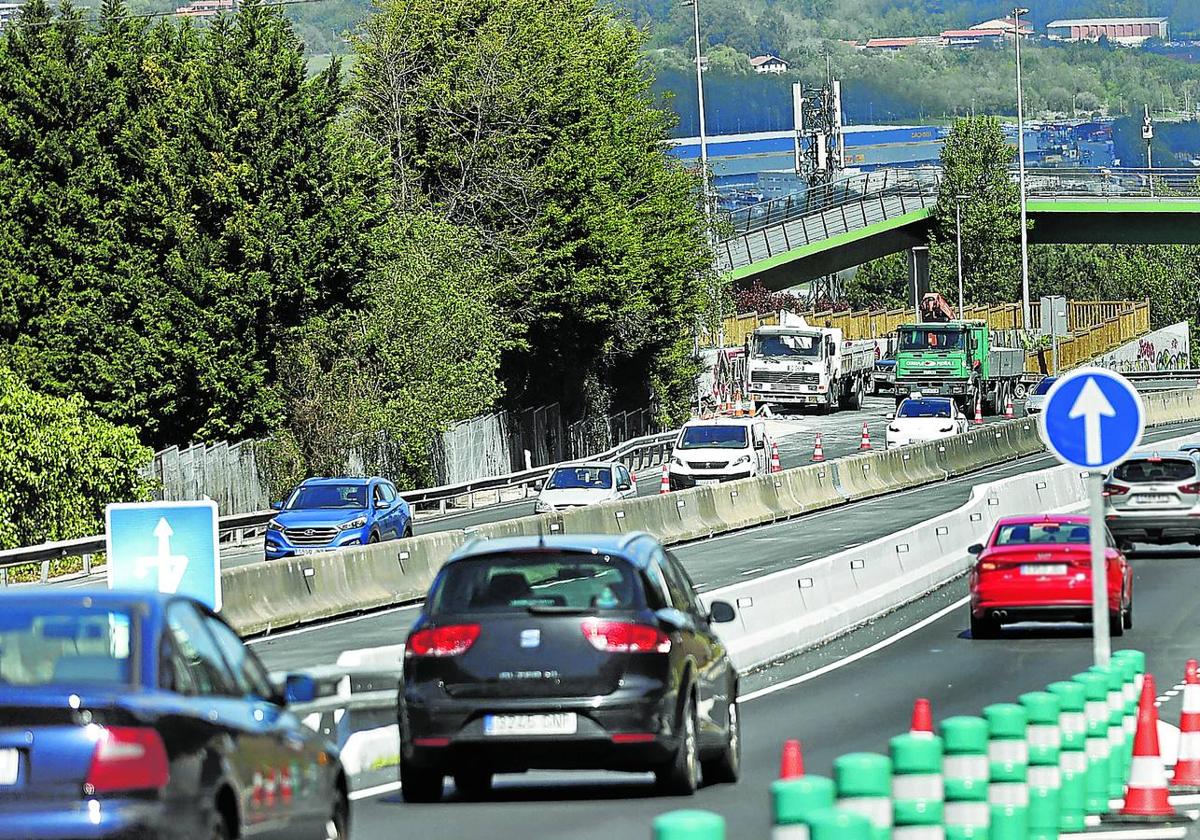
(665,485)
(865,445)
(737,405)
(791,765)
(752,411)
(1187,766)
(1146,795)
(922,719)
(978,411)
(818,450)
(775,465)
(1008,409)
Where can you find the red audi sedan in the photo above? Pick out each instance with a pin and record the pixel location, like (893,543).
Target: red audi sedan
(1038,568)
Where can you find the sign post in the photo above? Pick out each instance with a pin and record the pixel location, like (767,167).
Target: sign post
(1093,419)
(166,547)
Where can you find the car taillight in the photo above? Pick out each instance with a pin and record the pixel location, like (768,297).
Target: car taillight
(1111,489)
(625,637)
(1190,489)
(988,566)
(127,758)
(449,640)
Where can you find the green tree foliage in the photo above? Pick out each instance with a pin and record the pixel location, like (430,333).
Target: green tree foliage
(531,122)
(880,284)
(171,201)
(60,465)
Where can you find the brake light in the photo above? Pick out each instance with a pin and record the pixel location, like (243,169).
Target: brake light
(449,640)
(127,758)
(1190,489)
(1111,489)
(988,566)
(625,637)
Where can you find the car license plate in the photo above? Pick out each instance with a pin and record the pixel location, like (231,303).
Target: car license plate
(707,482)
(559,723)
(1153,499)
(1044,569)
(303,551)
(10,761)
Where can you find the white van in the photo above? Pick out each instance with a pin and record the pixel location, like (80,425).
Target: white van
(721,449)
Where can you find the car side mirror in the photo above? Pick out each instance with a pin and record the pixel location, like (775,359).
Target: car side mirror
(276,505)
(382,505)
(721,612)
(624,485)
(976,549)
(299,688)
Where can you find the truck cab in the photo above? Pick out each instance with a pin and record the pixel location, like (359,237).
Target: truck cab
(794,365)
(721,449)
(956,359)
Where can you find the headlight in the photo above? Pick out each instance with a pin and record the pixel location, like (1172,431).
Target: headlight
(745,459)
(543,507)
(274,525)
(676,461)
(357,522)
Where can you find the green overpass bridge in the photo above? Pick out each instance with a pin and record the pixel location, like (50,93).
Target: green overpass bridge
(787,241)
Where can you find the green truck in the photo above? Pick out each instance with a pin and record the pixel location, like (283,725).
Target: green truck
(956,359)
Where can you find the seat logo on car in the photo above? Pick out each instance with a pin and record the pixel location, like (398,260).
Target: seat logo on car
(531,638)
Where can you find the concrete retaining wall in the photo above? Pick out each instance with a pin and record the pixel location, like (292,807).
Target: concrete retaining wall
(266,596)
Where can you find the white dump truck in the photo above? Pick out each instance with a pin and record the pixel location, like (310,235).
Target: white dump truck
(795,365)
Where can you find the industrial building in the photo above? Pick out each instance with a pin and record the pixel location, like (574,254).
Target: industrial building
(1130,32)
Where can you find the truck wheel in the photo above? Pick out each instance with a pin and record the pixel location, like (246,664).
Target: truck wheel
(1019,391)
(858,395)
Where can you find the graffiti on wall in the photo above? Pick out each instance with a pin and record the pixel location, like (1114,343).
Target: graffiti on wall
(1165,349)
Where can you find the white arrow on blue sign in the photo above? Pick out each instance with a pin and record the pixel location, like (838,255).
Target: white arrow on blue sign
(1093,418)
(166,547)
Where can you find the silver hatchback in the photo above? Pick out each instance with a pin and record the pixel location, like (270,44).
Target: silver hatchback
(1155,499)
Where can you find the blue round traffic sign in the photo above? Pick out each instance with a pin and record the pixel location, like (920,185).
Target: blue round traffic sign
(1093,418)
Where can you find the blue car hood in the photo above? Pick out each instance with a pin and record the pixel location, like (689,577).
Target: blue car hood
(317,517)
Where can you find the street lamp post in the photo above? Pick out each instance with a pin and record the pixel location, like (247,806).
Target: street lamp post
(1025,314)
(695,4)
(958,199)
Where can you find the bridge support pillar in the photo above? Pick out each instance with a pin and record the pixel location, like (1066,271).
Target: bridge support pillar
(918,275)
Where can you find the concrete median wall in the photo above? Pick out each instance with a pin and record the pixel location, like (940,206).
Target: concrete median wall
(264,596)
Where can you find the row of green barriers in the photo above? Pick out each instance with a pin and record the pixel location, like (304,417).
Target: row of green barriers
(1029,770)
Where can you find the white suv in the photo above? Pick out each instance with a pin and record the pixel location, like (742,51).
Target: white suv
(722,449)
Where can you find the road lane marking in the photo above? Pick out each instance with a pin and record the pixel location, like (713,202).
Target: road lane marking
(854,657)
(753,571)
(377,790)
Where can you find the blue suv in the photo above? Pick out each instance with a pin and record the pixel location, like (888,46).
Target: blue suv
(324,514)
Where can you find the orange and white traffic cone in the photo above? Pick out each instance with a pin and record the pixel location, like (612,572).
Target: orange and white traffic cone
(978,411)
(1008,409)
(922,719)
(737,405)
(1147,796)
(752,410)
(791,764)
(818,450)
(1187,766)
(665,485)
(775,465)
(865,444)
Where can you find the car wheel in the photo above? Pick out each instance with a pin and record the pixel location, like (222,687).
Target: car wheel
(727,767)
(374,538)
(984,628)
(337,827)
(218,829)
(407,532)
(1127,618)
(420,784)
(473,785)
(1116,624)
(681,776)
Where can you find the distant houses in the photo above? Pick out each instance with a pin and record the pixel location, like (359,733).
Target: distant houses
(768,64)
(204,8)
(993,33)
(1131,32)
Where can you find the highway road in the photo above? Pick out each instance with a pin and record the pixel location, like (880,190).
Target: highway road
(844,706)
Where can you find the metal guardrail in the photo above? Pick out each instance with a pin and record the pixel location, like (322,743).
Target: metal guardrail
(634,453)
(1111,183)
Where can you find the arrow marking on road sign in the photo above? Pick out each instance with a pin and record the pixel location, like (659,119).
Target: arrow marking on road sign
(1091,405)
(170,566)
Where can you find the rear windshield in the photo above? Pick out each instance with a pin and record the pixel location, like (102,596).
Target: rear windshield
(523,582)
(1145,470)
(580,478)
(1042,533)
(713,437)
(73,646)
(924,408)
(1043,387)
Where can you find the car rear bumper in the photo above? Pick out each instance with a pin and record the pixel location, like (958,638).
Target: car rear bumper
(449,734)
(1038,612)
(1157,528)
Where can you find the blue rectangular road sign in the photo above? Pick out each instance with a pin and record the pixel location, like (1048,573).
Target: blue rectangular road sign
(165,547)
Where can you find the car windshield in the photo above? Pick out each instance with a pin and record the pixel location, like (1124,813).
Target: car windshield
(808,346)
(580,478)
(924,408)
(931,339)
(329,496)
(65,646)
(1153,470)
(713,437)
(1043,387)
(1043,533)
(538,579)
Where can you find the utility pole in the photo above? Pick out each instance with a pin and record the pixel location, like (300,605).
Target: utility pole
(1148,136)
(708,202)
(958,235)
(1026,317)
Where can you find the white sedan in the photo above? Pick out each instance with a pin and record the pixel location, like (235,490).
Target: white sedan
(578,485)
(921,419)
